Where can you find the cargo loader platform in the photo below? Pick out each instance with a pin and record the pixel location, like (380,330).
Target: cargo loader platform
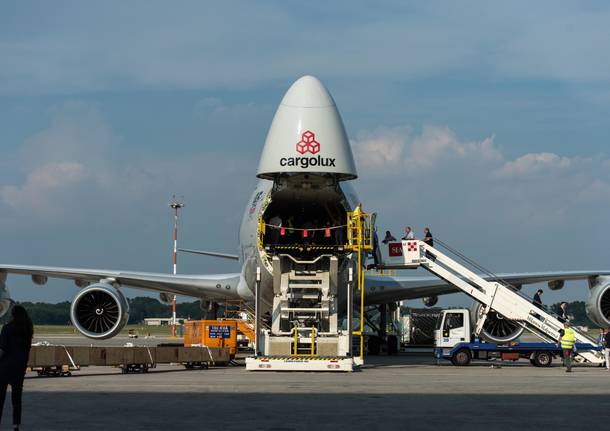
(302,363)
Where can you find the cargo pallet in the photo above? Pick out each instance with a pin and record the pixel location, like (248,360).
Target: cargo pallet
(62,360)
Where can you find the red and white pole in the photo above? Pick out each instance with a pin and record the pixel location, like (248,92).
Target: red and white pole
(175,205)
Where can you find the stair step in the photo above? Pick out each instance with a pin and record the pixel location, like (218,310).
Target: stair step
(304,286)
(306,278)
(303,296)
(306,310)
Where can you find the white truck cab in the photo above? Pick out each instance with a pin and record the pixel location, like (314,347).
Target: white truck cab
(453,327)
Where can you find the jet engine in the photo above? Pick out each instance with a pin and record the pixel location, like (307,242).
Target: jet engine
(496,328)
(430,301)
(5,298)
(99,311)
(598,304)
(166,298)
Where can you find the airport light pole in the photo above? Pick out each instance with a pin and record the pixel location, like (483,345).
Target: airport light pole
(176,206)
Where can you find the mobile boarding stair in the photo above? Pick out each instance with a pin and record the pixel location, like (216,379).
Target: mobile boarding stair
(494,295)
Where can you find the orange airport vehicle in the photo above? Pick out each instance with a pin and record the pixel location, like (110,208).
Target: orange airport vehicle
(211,333)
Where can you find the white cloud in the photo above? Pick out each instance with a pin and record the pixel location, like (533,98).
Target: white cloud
(398,146)
(39,190)
(437,144)
(534,163)
(437,170)
(380,148)
(75,171)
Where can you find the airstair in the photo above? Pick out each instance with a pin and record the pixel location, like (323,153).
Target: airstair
(494,295)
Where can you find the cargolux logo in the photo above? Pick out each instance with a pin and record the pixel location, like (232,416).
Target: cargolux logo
(308,143)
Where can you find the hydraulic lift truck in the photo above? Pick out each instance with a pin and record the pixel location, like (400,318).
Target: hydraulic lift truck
(495,296)
(454,341)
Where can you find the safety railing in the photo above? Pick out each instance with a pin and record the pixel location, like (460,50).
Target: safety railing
(359,240)
(490,276)
(311,334)
(240,310)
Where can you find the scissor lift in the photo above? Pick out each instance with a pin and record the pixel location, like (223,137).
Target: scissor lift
(493,295)
(304,334)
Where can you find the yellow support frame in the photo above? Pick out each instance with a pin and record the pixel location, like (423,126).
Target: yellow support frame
(295,342)
(261,232)
(359,240)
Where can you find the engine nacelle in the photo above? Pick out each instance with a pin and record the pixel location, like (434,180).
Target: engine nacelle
(556,284)
(166,298)
(204,305)
(99,311)
(598,304)
(496,328)
(5,297)
(430,301)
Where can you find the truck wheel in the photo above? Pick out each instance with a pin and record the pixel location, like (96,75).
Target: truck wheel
(543,359)
(461,358)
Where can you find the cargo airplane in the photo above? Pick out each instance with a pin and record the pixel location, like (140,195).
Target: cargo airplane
(305,178)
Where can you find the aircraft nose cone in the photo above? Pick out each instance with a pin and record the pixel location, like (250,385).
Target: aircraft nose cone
(308,92)
(307,135)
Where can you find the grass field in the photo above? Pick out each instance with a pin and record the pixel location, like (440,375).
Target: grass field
(68,329)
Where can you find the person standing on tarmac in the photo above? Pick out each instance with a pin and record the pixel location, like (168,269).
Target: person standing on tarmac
(566,341)
(607,348)
(15,345)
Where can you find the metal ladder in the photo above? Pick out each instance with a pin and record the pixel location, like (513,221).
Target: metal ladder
(303,295)
(493,295)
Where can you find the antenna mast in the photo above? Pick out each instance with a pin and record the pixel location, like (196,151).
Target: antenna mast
(176,205)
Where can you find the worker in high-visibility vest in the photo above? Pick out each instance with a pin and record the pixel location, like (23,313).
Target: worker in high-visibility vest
(567,342)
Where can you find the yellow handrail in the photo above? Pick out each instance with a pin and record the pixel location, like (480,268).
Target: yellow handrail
(313,341)
(261,232)
(359,240)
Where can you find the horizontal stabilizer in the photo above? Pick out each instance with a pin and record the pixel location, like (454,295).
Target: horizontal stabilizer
(210,253)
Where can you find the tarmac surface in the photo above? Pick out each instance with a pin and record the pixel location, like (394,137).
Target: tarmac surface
(404,392)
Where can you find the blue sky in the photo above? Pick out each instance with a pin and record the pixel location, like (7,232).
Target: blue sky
(487,121)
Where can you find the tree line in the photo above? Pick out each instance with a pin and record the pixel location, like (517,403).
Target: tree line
(141,307)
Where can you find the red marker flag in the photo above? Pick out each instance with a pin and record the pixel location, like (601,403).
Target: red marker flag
(327,232)
(282,231)
(305,233)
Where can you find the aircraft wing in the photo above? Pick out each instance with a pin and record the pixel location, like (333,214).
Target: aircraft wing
(215,286)
(384,289)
